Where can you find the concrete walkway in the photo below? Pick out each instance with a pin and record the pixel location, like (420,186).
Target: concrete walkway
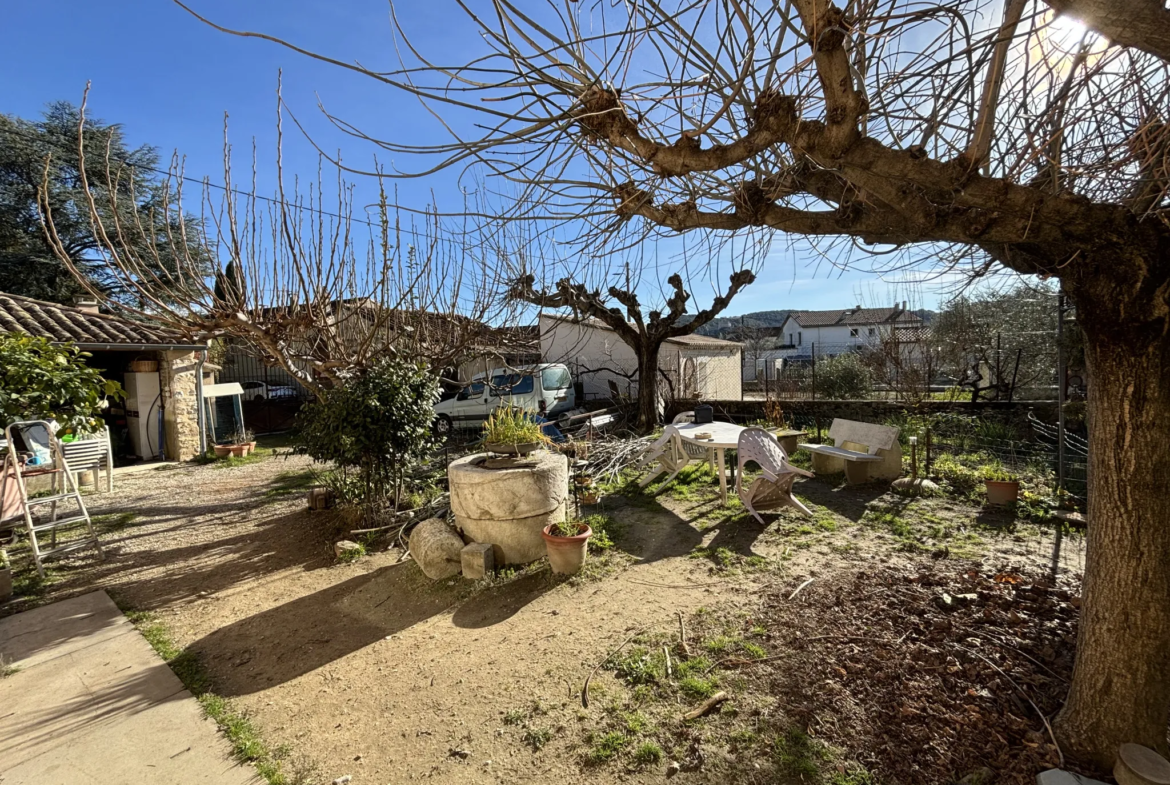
(90,702)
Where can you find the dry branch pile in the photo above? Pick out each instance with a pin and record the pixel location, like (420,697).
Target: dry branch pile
(927,676)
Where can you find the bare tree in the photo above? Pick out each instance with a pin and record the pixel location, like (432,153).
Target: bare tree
(620,310)
(959,132)
(296,278)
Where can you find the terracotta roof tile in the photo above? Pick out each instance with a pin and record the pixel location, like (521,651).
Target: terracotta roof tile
(855,316)
(64,323)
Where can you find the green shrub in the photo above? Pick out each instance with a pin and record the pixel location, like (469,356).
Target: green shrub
(374,428)
(40,381)
(843,377)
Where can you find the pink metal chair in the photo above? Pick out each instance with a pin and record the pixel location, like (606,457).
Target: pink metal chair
(773,488)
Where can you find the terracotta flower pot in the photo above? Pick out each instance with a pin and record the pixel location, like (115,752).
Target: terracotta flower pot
(222,451)
(251,447)
(238,450)
(589,497)
(567,554)
(1002,491)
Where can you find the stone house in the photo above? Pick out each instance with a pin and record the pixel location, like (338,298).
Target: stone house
(161,369)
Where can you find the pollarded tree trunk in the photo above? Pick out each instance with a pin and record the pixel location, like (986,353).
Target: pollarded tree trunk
(1121,683)
(648,387)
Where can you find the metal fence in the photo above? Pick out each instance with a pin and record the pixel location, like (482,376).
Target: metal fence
(272,397)
(906,371)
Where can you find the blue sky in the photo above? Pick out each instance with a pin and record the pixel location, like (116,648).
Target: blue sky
(169,79)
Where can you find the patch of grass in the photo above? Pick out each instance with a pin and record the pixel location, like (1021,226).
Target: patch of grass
(852,775)
(695,665)
(515,717)
(113,522)
(607,747)
(639,666)
(247,744)
(647,754)
(754,650)
(758,630)
(797,755)
(536,738)
(635,722)
(698,687)
(7,669)
(350,555)
(720,644)
(743,738)
(606,532)
(287,483)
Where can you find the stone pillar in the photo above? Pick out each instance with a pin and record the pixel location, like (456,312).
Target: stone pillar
(181,413)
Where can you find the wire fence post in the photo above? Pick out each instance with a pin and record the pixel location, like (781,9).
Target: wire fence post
(812,353)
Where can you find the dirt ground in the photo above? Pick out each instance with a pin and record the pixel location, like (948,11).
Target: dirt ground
(370,670)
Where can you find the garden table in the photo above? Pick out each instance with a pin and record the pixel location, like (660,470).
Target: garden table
(724,436)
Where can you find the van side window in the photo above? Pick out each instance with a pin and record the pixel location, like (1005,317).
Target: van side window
(471,391)
(556,379)
(512,384)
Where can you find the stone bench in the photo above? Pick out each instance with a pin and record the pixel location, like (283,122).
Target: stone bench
(864,451)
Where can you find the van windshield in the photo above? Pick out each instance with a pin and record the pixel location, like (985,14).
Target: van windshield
(511,384)
(555,379)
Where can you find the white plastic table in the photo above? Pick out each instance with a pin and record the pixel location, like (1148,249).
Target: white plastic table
(724,436)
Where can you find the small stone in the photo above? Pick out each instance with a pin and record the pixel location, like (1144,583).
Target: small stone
(455,752)
(342,548)
(673,768)
(477,560)
(343,779)
(1062,777)
(945,602)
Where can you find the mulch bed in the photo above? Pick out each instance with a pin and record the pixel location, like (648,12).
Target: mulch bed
(928,675)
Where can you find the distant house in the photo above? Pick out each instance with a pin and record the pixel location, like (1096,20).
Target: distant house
(692,366)
(839,331)
(161,370)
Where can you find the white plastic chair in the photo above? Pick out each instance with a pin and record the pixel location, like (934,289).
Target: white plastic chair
(695,451)
(773,488)
(669,453)
(92,454)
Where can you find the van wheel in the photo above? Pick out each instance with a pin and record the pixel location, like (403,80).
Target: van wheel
(442,426)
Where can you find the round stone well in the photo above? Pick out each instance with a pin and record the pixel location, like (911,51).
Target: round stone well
(509,506)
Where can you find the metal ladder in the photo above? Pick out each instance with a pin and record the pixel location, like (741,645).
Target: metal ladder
(38,437)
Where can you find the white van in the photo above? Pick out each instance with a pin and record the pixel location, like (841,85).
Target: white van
(545,389)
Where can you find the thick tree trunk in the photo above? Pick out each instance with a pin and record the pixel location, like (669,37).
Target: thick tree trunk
(1121,683)
(648,388)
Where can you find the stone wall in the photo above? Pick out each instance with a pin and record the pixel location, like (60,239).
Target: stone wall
(177,378)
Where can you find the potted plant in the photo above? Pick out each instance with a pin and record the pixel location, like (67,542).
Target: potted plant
(566,544)
(248,439)
(511,431)
(5,576)
(584,480)
(223,450)
(1003,487)
(590,496)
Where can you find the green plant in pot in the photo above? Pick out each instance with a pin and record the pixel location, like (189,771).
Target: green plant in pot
(510,431)
(567,543)
(1003,487)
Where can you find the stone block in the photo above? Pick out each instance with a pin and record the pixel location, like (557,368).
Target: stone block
(1062,777)
(1138,765)
(342,549)
(478,560)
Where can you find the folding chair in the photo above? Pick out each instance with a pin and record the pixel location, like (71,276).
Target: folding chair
(773,488)
(42,456)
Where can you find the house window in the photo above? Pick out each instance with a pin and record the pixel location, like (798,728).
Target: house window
(853,333)
(790,341)
(872,331)
(798,339)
